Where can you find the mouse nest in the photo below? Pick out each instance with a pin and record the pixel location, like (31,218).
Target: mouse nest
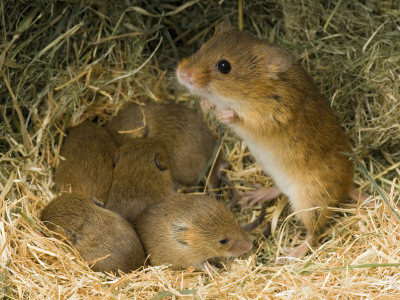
(62,62)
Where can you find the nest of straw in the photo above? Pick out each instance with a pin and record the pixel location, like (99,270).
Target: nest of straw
(62,62)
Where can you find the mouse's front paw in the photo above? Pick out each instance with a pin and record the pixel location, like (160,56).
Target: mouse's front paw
(206,105)
(205,266)
(228,116)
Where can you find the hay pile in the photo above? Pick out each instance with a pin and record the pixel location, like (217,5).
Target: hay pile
(62,62)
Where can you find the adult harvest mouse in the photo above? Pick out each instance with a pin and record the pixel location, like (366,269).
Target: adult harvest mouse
(96,233)
(89,153)
(142,176)
(189,230)
(186,137)
(269,100)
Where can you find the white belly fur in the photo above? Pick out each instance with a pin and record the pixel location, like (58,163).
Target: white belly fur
(269,161)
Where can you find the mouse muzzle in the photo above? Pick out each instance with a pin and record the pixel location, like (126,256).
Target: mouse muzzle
(185,77)
(240,247)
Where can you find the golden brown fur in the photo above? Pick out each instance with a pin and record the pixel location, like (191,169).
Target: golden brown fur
(89,154)
(187,139)
(272,103)
(137,180)
(95,233)
(187,230)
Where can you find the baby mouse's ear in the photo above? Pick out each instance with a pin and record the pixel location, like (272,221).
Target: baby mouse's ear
(180,231)
(161,162)
(223,26)
(277,60)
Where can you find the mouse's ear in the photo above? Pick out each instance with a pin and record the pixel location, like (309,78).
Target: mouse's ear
(180,231)
(161,162)
(277,60)
(223,25)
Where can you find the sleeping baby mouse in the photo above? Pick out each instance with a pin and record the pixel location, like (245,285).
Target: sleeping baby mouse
(142,177)
(190,230)
(186,137)
(96,233)
(89,153)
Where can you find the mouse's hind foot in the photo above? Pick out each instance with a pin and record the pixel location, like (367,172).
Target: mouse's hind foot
(259,197)
(297,252)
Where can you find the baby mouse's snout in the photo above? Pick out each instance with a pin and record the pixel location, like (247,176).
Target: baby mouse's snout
(240,247)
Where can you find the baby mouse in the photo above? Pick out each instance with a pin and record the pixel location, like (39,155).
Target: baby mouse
(189,230)
(95,232)
(269,100)
(142,176)
(89,153)
(187,139)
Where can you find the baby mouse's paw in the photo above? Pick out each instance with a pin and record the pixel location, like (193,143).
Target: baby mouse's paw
(205,266)
(210,269)
(206,105)
(228,116)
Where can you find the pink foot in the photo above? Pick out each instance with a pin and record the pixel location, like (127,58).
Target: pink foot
(206,105)
(228,116)
(355,194)
(299,251)
(260,196)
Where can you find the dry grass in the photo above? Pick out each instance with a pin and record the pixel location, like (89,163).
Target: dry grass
(65,61)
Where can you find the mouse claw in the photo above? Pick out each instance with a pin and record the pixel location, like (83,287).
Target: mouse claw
(206,105)
(228,116)
(301,250)
(260,196)
(292,255)
(283,260)
(205,266)
(287,249)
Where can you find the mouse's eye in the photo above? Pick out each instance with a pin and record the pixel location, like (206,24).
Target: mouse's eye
(195,50)
(224,241)
(160,163)
(223,66)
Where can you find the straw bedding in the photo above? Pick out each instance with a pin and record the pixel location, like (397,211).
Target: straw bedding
(62,62)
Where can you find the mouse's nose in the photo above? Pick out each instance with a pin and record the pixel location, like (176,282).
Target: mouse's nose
(185,77)
(240,247)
